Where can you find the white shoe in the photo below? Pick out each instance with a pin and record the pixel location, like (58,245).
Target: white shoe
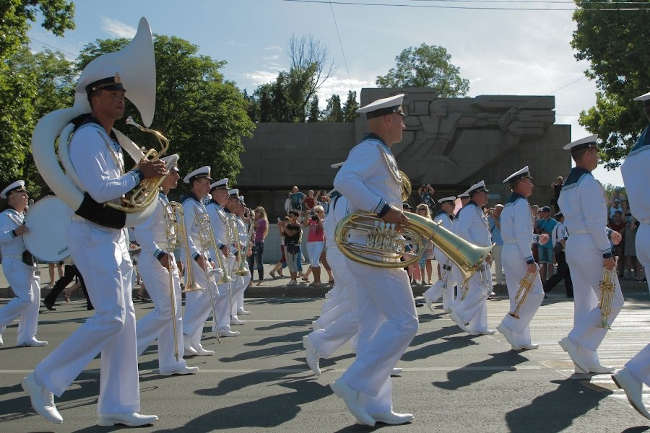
(242,312)
(311,355)
(483,332)
(42,400)
(200,351)
(179,371)
(189,351)
(572,349)
(458,321)
(509,337)
(128,419)
(396,371)
(429,304)
(2,342)
(32,343)
(236,321)
(530,346)
(228,333)
(633,390)
(393,418)
(351,399)
(601,369)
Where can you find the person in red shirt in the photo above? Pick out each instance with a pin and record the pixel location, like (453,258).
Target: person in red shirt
(315,241)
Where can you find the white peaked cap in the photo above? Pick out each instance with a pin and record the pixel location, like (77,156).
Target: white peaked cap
(220,183)
(524,172)
(643,97)
(234,192)
(383,106)
(446,199)
(171,162)
(464,194)
(583,142)
(12,186)
(476,186)
(199,172)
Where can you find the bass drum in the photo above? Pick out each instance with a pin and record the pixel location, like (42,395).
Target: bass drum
(47,221)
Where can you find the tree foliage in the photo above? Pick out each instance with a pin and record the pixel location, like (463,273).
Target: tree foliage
(350,107)
(333,111)
(616,46)
(426,66)
(204,116)
(314,111)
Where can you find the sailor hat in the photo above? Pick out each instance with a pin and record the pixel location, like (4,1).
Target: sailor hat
(221,184)
(545,209)
(643,97)
(197,174)
(19,184)
(479,186)
(171,162)
(464,194)
(451,198)
(381,107)
(524,172)
(590,141)
(233,192)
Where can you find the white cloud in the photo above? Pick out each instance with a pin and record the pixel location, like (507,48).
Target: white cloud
(273,48)
(261,76)
(117,28)
(340,86)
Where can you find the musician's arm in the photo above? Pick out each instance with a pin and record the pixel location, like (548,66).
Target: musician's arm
(6,229)
(188,216)
(523,233)
(349,181)
(88,154)
(592,202)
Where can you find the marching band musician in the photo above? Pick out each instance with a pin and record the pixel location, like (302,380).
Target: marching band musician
(199,302)
(371,181)
(242,280)
(18,266)
(470,311)
(219,218)
(444,286)
(518,262)
(589,254)
(102,256)
(163,323)
(637,371)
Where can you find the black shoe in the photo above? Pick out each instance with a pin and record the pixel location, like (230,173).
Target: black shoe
(49,306)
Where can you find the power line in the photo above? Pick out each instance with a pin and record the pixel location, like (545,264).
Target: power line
(338,33)
(492,8)
(611,3)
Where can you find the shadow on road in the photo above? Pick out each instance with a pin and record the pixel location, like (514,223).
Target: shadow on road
(556,410)
(288,324)
(285,338)
(477,371)
(447,344)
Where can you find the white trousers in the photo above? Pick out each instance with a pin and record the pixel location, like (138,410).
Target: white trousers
(198,304)
(102,257)
(387,324)
(515,268)
(314,250)
(639,366)
(24,306)
(586,265)
(340,322)
(159,324)
(473,309)
(238,293)
(223,302)
(444,288)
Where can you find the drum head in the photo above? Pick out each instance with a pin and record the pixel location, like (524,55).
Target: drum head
(47,221)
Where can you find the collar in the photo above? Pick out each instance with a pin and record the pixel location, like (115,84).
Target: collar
(643,140)
(514,197)
(574,175)
(373,136)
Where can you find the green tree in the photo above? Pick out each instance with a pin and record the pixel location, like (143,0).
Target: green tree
(615,45)
(426,66)
(19,79)
(350,107)
(204,116)
(314,111)
(333,111)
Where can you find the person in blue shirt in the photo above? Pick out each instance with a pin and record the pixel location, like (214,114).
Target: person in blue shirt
(545,225)
(494,222)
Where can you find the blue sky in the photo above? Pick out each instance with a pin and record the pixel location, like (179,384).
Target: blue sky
(500,52)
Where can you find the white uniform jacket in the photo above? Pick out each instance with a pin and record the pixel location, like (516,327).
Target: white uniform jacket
(447,223)
(472,225)
(10,244)
(193,209)
(369,178)
(152,233)
(218,218)
(635,175)
(517,226)
(582,201)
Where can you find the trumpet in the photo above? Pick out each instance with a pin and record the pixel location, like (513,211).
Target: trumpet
(606,296)
(208,241)
(242,266)
(171,218)
(522,293)
(146,192)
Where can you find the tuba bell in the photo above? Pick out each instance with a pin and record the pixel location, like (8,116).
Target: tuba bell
(135,64)
(364,238)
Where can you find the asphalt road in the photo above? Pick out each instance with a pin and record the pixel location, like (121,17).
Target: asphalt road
(259,381)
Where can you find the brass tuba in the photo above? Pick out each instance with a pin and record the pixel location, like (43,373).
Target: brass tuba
(364,238)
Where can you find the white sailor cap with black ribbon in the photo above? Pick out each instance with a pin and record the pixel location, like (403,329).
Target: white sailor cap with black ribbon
(171,162)
(234,193)
(220,184)
(590,141)
(381,107)
(477,187)
(521,173)
(464,194)
(14,186)
(198,174)
(451,198)
(643,98)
